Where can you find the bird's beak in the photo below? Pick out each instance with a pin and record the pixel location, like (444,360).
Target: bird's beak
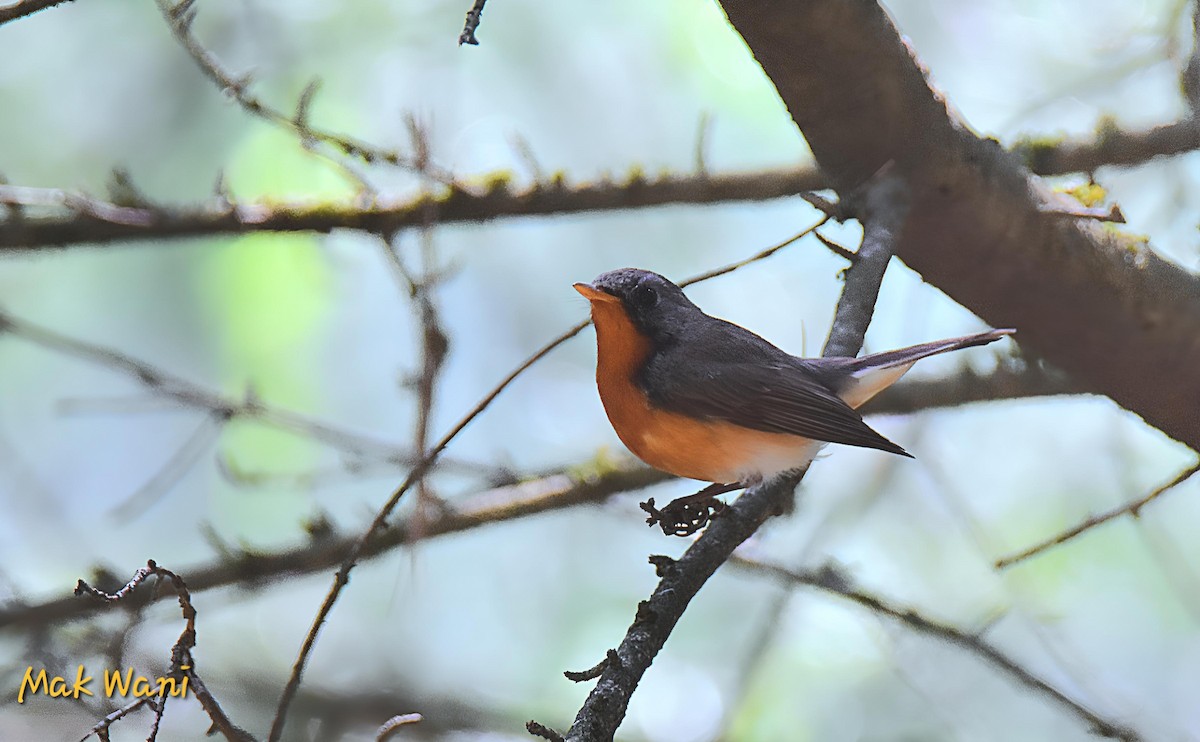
(591,293)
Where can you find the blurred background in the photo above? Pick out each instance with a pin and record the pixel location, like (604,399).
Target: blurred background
(474,629)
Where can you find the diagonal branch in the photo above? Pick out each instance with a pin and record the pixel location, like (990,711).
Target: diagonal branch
(26,7)
(831,581)
(179,17)
(1133,508)
(604,709)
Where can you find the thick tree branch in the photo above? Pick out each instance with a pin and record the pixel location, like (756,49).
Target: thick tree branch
(1100,305)
(95,221)
(66,218)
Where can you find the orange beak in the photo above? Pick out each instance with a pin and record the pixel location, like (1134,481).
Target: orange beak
(591,293)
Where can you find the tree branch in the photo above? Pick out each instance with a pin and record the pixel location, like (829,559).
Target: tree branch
(1111,147)
(604,709)
(832,581)
(95,221)
(548,493)
(179,17)
(1096,303)
(219,407)
(474,15)
(1133,508)
(26,7)
(883,212)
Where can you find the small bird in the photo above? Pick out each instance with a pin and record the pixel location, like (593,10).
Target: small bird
(703,398)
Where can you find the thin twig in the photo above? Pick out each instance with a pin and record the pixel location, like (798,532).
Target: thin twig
(393,725)
(167,385)
(174,468)
(182,663)
(474,16)
(1130,508)
(179,18)
(832,581)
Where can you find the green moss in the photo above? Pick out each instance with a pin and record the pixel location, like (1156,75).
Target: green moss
(602,462)
(1088,194)
(1036,152)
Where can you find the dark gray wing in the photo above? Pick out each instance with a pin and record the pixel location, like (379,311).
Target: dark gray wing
(745,380)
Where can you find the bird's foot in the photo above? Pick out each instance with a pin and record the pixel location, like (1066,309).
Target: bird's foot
(684,516)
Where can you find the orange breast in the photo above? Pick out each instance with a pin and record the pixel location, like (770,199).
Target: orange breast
(711,451)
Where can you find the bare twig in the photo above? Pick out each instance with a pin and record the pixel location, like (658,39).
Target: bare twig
(594,671)
(100,730)
(605,706)
(761,255)
(542,731)
(220,407)
(179,18)
(1130,508)
(174,469)
(93,221)
(26,7)
(474,16)
(832,581)
(434,342)
(393,725)
(182,663)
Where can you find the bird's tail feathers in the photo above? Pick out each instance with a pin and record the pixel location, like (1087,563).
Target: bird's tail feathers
(912,353)
(872,374)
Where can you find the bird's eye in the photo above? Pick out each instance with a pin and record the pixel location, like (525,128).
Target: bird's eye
(644,297)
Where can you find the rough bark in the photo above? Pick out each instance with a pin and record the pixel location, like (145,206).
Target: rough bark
(1102,306)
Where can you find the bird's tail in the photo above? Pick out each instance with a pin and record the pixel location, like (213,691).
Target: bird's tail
(872,374)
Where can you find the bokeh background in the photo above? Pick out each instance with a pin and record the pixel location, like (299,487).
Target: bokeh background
(482,623)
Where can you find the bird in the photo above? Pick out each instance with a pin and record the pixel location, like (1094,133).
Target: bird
(702,398)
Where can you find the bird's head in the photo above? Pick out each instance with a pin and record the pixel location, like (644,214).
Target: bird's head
(654,304)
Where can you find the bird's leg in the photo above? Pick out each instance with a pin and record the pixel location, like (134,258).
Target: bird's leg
(683,516)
